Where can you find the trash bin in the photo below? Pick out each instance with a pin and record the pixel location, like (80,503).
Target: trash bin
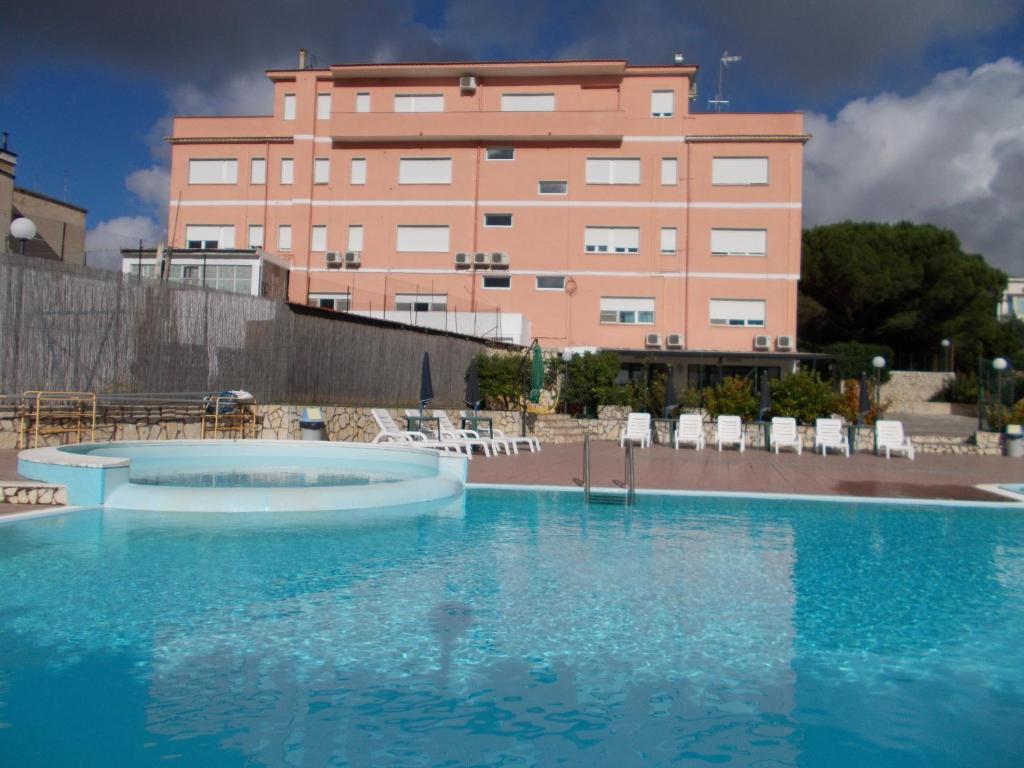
(311,425)
(1014,440)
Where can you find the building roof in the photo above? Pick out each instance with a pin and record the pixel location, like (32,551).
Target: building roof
(524,68)
(47,198)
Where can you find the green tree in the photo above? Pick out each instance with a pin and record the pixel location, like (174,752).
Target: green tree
(591,381)
(804,397)
(906,286)
(501,378)
(733,397)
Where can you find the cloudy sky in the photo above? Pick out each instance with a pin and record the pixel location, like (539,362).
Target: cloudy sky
(917,106)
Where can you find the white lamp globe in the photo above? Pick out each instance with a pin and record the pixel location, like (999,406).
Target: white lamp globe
(1000,363)
(878,362)
(23,229)
(945,342)
(567,355)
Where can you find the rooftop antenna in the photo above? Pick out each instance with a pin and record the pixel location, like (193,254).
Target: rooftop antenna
(719,101)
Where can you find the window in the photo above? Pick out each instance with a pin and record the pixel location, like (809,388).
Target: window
(422,302)
(355,237)
(422,239)
(142,270)
(739,171)
(620,310)
(318,240)
(287,170)
(669,171)
(209,236)
(501,153)
(497,219)
(255,235)
(289,106)
(419,102)
(552,187)
(668,240)
(258,170)
(340,302)
(663,103)
(284,237)
(236,278)
(739,242)
(503,282)
(323,106)
(612,239)
(362,102)
(425,170)
(550,282)
(357,172)
(213,171)
(321,170)
(737,312)
(613,170)
(527,102)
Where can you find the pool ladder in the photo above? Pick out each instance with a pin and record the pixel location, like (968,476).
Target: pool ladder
(609,498)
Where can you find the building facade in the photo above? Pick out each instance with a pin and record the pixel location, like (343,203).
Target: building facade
(1012,303)
(582,200)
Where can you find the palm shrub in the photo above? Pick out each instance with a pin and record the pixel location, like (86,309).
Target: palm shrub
(805,397)
(734,396)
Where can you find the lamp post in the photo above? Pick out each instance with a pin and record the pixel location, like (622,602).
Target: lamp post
(999,365)
(878,362)
(23,229)
(567,356)
(945,352)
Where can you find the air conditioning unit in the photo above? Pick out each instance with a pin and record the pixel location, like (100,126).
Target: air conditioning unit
(352,258)
(785,343)
(461,259)
(499,260)
(467,83)
(674,341)
(652,340)
(333,259)
(480,260)
(762,343)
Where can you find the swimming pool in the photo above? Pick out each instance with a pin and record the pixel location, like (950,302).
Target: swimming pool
(527,630)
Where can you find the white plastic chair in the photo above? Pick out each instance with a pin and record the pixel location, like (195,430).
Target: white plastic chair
(690,429)
(889,436)
(784,435)
(729,431)
(467,437)
(637,430)
(390,432)
(529,441)
(828,433)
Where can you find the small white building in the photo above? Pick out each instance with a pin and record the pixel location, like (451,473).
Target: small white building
(1012,303)
(252,271)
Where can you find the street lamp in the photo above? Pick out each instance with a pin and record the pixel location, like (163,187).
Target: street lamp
(945,351)
(879,363)
(1000,365)
(23,229)
(567,355)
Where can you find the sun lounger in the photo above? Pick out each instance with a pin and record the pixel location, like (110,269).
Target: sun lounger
(784,435)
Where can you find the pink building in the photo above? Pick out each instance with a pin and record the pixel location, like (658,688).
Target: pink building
(579,202)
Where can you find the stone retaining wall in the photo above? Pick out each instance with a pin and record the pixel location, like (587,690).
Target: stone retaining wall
(905,390)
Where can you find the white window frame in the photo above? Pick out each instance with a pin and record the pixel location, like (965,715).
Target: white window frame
(357,171)
(436,302)
(256,242)
(627,310)
(406,231)
(258,177)
(614,168)
(424,170)
(498,226)
(736,316)
(612,234)
(345,298)
(284,237)
(552,181)
(288,106)
(528,102)
(355,238)
(658,110)
(323,106)
(321,170)
(418,103)
(669,241)
(287,171)
(542,277)
(738,251)
(501,149)
(219,170)
(669,171)
(318,238)
(363,101)
(486,287)
(728,171)
(222,234)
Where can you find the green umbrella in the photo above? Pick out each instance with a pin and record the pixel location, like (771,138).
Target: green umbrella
(536,374)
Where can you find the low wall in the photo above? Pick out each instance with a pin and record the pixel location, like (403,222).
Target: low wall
(907,390)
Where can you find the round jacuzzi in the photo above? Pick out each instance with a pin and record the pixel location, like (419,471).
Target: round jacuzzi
(246,475)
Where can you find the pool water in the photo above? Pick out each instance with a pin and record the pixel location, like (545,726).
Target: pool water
(527,631)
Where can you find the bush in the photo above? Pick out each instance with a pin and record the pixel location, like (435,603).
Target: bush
(854,358)
(804,397)
(962,388)
(734,396)
(999,415)
(502,378)
(592,382)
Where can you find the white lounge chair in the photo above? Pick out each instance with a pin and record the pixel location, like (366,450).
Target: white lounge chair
(390,432)
(515,441)
(828,433)
(471,439)
(729,431)
(889,436)
(784,435)
(637,430)
(690,429)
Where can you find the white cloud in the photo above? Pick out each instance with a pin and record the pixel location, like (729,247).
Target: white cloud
(951,154)
(152,185)
(103,243)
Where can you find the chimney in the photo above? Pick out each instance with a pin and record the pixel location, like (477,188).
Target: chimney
(302,58)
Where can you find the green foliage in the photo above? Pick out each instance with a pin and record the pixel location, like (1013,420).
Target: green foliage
(905,286)
(591,381)
(734,396)
(502,379)
(999,415)
(804,397)
(854,358)
(962,388)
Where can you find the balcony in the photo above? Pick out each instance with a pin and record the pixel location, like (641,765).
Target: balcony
(419,127)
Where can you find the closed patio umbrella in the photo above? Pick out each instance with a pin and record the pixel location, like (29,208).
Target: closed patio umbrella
(426,385)
(536,374)
(670,394)
(766,399)
(864,403)
(473,386)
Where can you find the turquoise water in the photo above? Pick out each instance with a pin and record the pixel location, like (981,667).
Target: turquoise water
(526,631)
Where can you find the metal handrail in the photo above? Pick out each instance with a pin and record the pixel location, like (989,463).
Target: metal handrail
(630,474)
(586,468)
